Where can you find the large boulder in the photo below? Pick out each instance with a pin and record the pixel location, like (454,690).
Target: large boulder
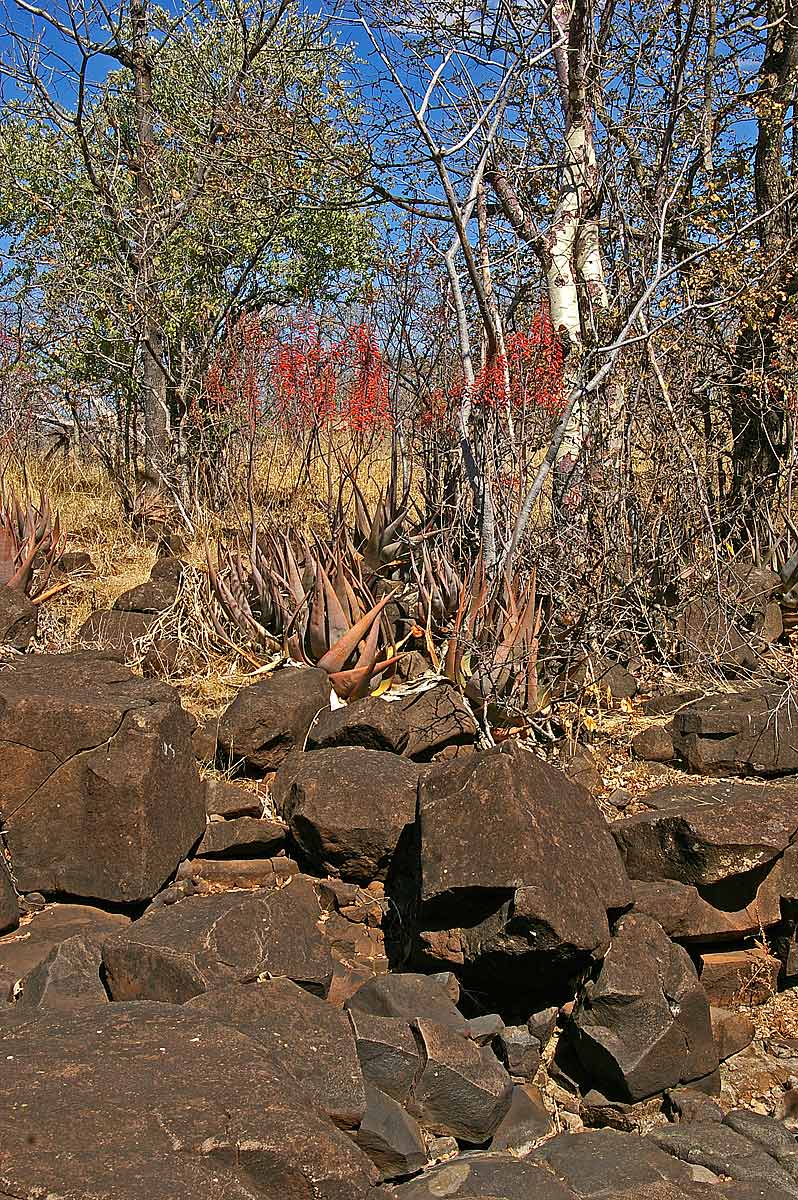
(20,956)
(9,905)
(67,979)
(686,916)
(643,1026)
(242,837)
(112,629)
(492,1176)
(513,870)
(19,619)
(203,942)
(597,1163)
(739,733)
(462,1088)
(734,630)
(270,719)
(101,796)
(347,807)
(132,1100)
(311,1041)
(418,724)
(725,1151)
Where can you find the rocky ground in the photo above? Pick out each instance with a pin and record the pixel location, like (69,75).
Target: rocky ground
(308,951)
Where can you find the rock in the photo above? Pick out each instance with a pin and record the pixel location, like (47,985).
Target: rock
(485,1029)
(644,1025)
(9,905)
(620,798)
(710,833)
(580,766)
(205,743)
(270,719)
(689,1104)
(542,1024)
(390,1137)
(68,979)
(491,1176)
(708,631)
(525,1124)
(22,952)
(19,619)
(305,1035)
(654,744)
(408,996)
(164,1102)
(204,942)
(346,808)
(418,724)
(771,1135)
(226,798)
(686,917)
(76,562)
(111,629)
(739,733)
(739,976)
(671,702)
(609,677)
(101,796)
(167,658)
(519,1051)
(388,1052)
(485,826)
(242,837)
(599,1162)
(596,1111)
(155,596)
(725,1152)
(462,1088)
(732,1031)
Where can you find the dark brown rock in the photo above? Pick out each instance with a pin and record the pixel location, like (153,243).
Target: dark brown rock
(407,996)
(739,976)
(486,827)
(390,1137)
(686,917)
(305,1035)
(644,1025)
(19,619)
(270,719)
(580,766)
(519,1051)
(708,834)
(739,733)
(725,1152)
(732,1031)
(418,725)
(654,744)
(127,1100)
(346,808)
(525,1124)
(242,837)
(596,1163)
(154,596)
(667,705)
(22,952)
(462,1088)
(492,1176)
(101,795)
(226,798)
(221,874)
(68,979)
(111,629)
(204,942)
(205,741)
(732,635)
(9,905)
(388,1052)
(76,562)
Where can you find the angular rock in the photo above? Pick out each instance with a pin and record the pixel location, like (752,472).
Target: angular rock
(19,619)
(739,733)
(668,704)
(709,631)
(226,798)
(644,1025)
(305,1035)
(599,1162)
(725,1152)
(686,917)
(9,905)
(739,976)
(520,1051)
(155,596)
(418,724)
(132,1100)
(708,833)
(68,979)
(388,1052)
(390,1137)
(101,795)
(204,942)
(525,1124)
(408,996)
(486,826)
(654,744)
(462,1088)
(242,837)
(270,719)
(346,808)
(491,1176)
(222,874)
(732,1031)
(111,629)
(771,1135)
(22,952)
(542,1024)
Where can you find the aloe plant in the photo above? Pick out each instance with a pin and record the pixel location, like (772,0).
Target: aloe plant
(27,532)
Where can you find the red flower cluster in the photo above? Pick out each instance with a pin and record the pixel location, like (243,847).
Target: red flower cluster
(233,380)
